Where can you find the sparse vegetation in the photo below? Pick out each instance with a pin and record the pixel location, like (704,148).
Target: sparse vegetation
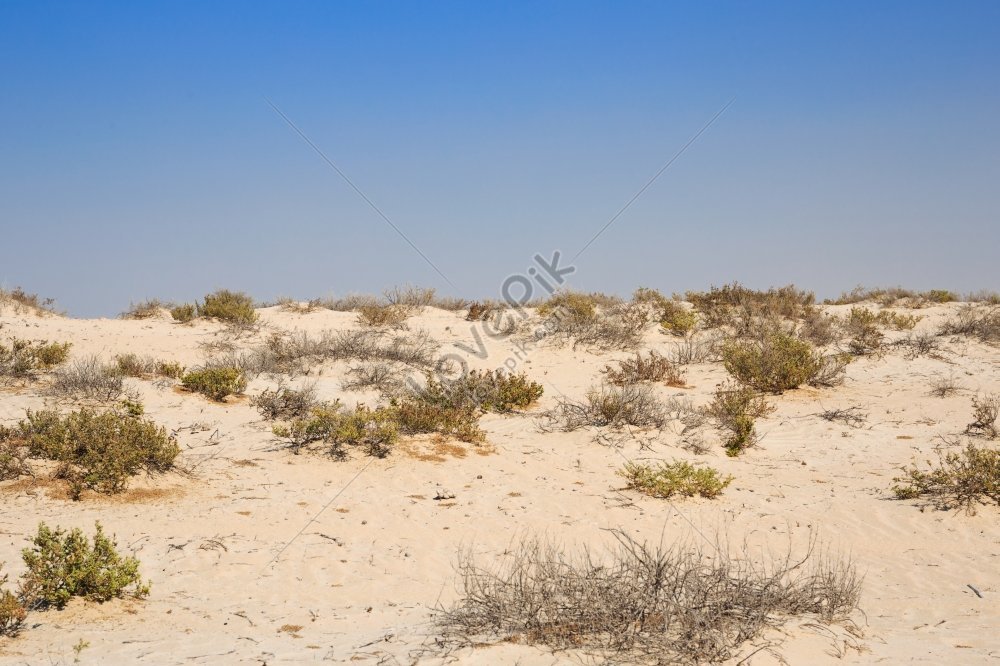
(145,309)
(673,317)
(409,297)
(737,306)
(942,387)
(677,478)
(592,320)
(232,307)
(643,604)
(776,361)
(654,368)
(378,375)
(985,410)
(98,450)
(184,312)
(979,322)
(217,382)
(21,359)
(482,310)
(384,315)
(735,409)
(285,403)
(63,565)
(23,301)
(888,297)
(337,428)
(962,478)
(89,378)
(490,391)
(849,416)
(608,406)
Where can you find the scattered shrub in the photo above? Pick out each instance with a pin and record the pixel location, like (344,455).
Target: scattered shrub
(982,323)
(491,391)
(850,416)
(655,368)
(416,417)
(732,303)
(735,409)
(21,359)
(22,300)
(184,313)
(775,362)
(985,410)
(144,310)
(89,378)
(382,377)
(64,565)
(349,303)
(170,369)
(571,316)
(229,306)
(692,351)
(482,310)
(570,305)
(409,296)
(12,610)
(818,328)
(942,387)
(611,406)
(961,479)
(672,316)
(383,316)
(678,478)
(216,383)
(96,450)
(643,604)
(133,365)
(285,403)
(376,430)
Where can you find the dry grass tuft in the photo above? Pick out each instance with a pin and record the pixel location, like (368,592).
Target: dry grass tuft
(654,368)
(607,406)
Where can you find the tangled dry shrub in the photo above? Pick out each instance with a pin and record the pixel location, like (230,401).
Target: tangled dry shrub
(654,368)
(216,383)
(482,310)
(735,409)
(408,296)
(489,390)
(99,450)
(641,603)
(819,328)
(349,303)
(985,410)
(962,478)
(381,376)
(145,309)
(23,301)
(887,297)
(63,565)
(384,315)
(232,307)
(677,478)
(22,359)
(133,365)
(672,316)
(693,350)
(775,361)
(607,406)
(736,305)
(975,321)
(90,379)
(569,316)
(285,403)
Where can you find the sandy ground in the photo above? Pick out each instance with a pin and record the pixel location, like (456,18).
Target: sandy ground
(262,556)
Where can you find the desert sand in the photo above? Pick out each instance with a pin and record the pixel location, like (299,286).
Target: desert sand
(258,555)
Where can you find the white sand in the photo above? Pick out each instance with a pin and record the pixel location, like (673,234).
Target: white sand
(362,577)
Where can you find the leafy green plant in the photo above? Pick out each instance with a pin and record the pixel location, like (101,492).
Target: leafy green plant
(336,428)
(23,358)
(677,478)
(233,307)
(96,450)
(773,362)
(673,317)
(216,383)
(962,478)
(490,390)
(736,409)
(63,565)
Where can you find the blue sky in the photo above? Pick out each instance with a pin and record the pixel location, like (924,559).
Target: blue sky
(139,157)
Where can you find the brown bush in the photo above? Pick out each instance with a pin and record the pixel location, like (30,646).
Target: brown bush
(654,368)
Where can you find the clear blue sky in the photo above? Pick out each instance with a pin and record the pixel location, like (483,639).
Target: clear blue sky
(139,158)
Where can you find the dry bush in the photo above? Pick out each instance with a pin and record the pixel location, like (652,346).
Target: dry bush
(490,390)
(735,409)
(285,403)
(887,297)
(23,301)
(298,307)
(419,417)
(644,604)
(133,365)
(607,406)
(184,312)
(349,303)
(818,328)
(981,323)
(99,450)
(672,316)
(776,361)
(963,479)
(409,296)
(22,359)
(383,377)
(921,344)
(985,410)
(736,305)
(850,416)
(694,350)
(655,368)
(942,387)
(576,317)
(12,609)
(482,310)
(983,296)
(384,316)
(145,309)
(233,307)
(450,303)
(677,478)
(91,379)
(215,382)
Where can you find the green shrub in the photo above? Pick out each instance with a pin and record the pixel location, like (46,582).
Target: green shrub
(64,565)
(374,430)
(23,300)
(96,450)
(216,383)
(170,369)
(726,305)
(12,610)
(678,478)
(184,313)
(735,409)
(229,306)
(23,358)
(655,368)
(964,479)
(570,305)
(773,362)
(491,391)
(941,296)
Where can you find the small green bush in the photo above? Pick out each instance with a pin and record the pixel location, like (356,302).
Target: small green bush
(374,430)
(673,317)
(233,307)
(735,409)
(491,391)
(170,369)
(64,565)
(184,313)
(23,358)
(773,362)
(964,479)
(571,305)
(678,478)
(216,383)
(96,450)
(416,417)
